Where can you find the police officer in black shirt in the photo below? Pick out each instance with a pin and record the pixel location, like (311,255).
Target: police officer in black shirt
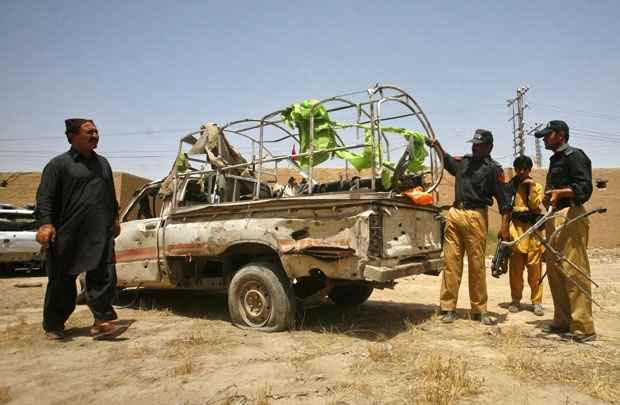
(568,187)
(478,179)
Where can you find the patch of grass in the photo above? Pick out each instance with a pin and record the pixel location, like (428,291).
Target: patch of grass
(524,366)
(593,373)
(380,352)
(131,353)
(507,339)
(444,380)
(216,342)
(603,385)
(263,395)
(5,396)
(186,363)
(398,354)
(152,308)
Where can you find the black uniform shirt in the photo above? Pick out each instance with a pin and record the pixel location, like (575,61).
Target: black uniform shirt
(477,181)
(77,197)
(570,167)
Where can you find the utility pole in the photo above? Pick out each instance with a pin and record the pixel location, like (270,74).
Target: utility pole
(538,145)
(518,134)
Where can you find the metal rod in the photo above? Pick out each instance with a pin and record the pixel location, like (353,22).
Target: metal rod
(349,105)
(373,148)
(275,158)
(577,218)
(395,117)
(435,160)
(311,157)
(558,259)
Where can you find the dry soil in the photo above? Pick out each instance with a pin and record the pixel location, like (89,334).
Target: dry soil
(181,349)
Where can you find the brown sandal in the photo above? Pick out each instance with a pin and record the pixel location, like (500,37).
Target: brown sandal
(107,331)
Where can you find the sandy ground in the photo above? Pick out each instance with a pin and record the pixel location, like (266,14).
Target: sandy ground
(181,349)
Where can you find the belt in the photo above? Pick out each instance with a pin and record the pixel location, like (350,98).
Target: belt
(465,205)
(565,203)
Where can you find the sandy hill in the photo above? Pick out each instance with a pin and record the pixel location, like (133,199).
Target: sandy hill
(21,187)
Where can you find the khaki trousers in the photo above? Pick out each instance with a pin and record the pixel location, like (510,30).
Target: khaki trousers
(572,309)
(465,232)
(518,262)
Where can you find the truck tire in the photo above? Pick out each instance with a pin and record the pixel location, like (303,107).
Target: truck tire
(6,269)
(350,295)
(260,297)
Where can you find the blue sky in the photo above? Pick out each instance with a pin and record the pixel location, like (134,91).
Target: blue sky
(140,66)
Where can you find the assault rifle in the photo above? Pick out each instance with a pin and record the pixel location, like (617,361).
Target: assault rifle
(554,254)
(499,265)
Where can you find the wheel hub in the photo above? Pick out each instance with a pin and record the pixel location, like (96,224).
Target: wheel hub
(255,304)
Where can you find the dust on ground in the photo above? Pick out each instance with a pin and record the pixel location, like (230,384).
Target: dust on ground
(181,349)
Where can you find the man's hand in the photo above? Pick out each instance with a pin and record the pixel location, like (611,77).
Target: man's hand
(432,142)
(45,234)
(116,228)
(553,196)
(504,233)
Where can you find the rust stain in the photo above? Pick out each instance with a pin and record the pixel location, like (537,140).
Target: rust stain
(186,249)
(289,245)
(130,255)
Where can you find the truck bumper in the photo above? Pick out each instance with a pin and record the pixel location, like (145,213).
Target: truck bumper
(382,274)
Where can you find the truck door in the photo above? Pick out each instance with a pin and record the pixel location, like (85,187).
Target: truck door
(137,247)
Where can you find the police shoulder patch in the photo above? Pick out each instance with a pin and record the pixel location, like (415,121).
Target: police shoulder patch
(499,175)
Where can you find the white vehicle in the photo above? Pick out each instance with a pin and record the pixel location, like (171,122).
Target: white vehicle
(18,246)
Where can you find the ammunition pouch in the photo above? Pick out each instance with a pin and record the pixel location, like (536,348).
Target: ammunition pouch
(527,217)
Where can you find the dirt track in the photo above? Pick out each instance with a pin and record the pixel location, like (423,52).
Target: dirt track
(181,349)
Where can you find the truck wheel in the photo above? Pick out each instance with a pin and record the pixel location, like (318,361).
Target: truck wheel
(5,269)
(260,297)
(350,295)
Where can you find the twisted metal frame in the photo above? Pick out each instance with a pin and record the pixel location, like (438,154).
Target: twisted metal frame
(367,112)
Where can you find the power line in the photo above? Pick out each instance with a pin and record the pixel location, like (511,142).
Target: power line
(591,135)
(592,114)
(103,134)
(597,132)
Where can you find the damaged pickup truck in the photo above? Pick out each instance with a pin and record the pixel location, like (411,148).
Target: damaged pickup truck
(220,222)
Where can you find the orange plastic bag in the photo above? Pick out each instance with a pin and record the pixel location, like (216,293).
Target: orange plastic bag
(419,196)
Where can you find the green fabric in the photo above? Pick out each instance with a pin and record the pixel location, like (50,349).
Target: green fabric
(181,163)
(297,116)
